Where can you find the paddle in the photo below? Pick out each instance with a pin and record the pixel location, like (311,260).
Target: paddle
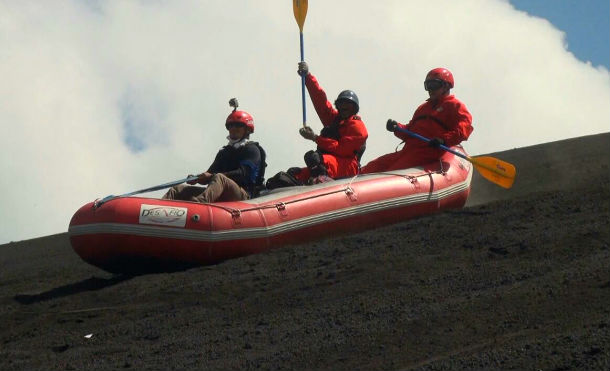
(299,7)
(496,171)
(99,203)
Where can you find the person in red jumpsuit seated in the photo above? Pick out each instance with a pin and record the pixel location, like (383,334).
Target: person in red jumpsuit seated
(341,142)
(442,118)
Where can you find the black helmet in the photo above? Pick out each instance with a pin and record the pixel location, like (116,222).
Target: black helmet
(349,96)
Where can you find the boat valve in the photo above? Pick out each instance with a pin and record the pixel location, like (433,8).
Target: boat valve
(195,218)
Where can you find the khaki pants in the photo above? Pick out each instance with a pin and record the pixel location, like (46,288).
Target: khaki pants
(220,188)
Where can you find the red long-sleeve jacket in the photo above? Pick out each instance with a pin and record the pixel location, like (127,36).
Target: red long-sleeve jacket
(447,119)
(352,131)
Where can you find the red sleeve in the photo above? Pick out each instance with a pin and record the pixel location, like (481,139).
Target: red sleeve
(353,137)
(326,112)
(418,112)
(461,123)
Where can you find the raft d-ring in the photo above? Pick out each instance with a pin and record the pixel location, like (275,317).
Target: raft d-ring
(413,181)
(442,168)
(281,208)
(351,194)
(236,214)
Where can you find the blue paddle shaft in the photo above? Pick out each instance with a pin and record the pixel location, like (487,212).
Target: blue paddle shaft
(303,81)
(154,188)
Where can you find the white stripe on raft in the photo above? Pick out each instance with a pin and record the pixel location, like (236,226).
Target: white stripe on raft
(262,232)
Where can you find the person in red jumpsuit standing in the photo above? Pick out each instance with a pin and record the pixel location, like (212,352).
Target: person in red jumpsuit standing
(342,140)
(442,118)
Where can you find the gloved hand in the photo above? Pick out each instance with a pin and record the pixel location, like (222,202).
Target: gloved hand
(303,69)
(436,142)
(391,125)
(203,178)
(194,181)
(307,133)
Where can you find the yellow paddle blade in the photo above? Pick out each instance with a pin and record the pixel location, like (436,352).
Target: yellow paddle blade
(497,171)
(299,7)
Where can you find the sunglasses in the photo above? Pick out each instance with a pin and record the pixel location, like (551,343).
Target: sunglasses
(232,125)
(344,103)
(431,85)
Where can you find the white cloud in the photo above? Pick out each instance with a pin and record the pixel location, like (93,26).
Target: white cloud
(109,97)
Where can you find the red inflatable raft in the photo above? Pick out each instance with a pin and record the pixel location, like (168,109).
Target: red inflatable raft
(129,234)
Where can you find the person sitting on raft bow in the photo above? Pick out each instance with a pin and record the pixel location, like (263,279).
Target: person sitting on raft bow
(442,117)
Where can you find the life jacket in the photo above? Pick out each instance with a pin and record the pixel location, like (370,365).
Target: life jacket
(332,131)
(435,119)
(259,182)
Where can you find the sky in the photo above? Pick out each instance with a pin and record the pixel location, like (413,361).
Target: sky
(108,97)
(586,24)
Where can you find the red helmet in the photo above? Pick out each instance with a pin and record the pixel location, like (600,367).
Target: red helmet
(242,117)
(442,74)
